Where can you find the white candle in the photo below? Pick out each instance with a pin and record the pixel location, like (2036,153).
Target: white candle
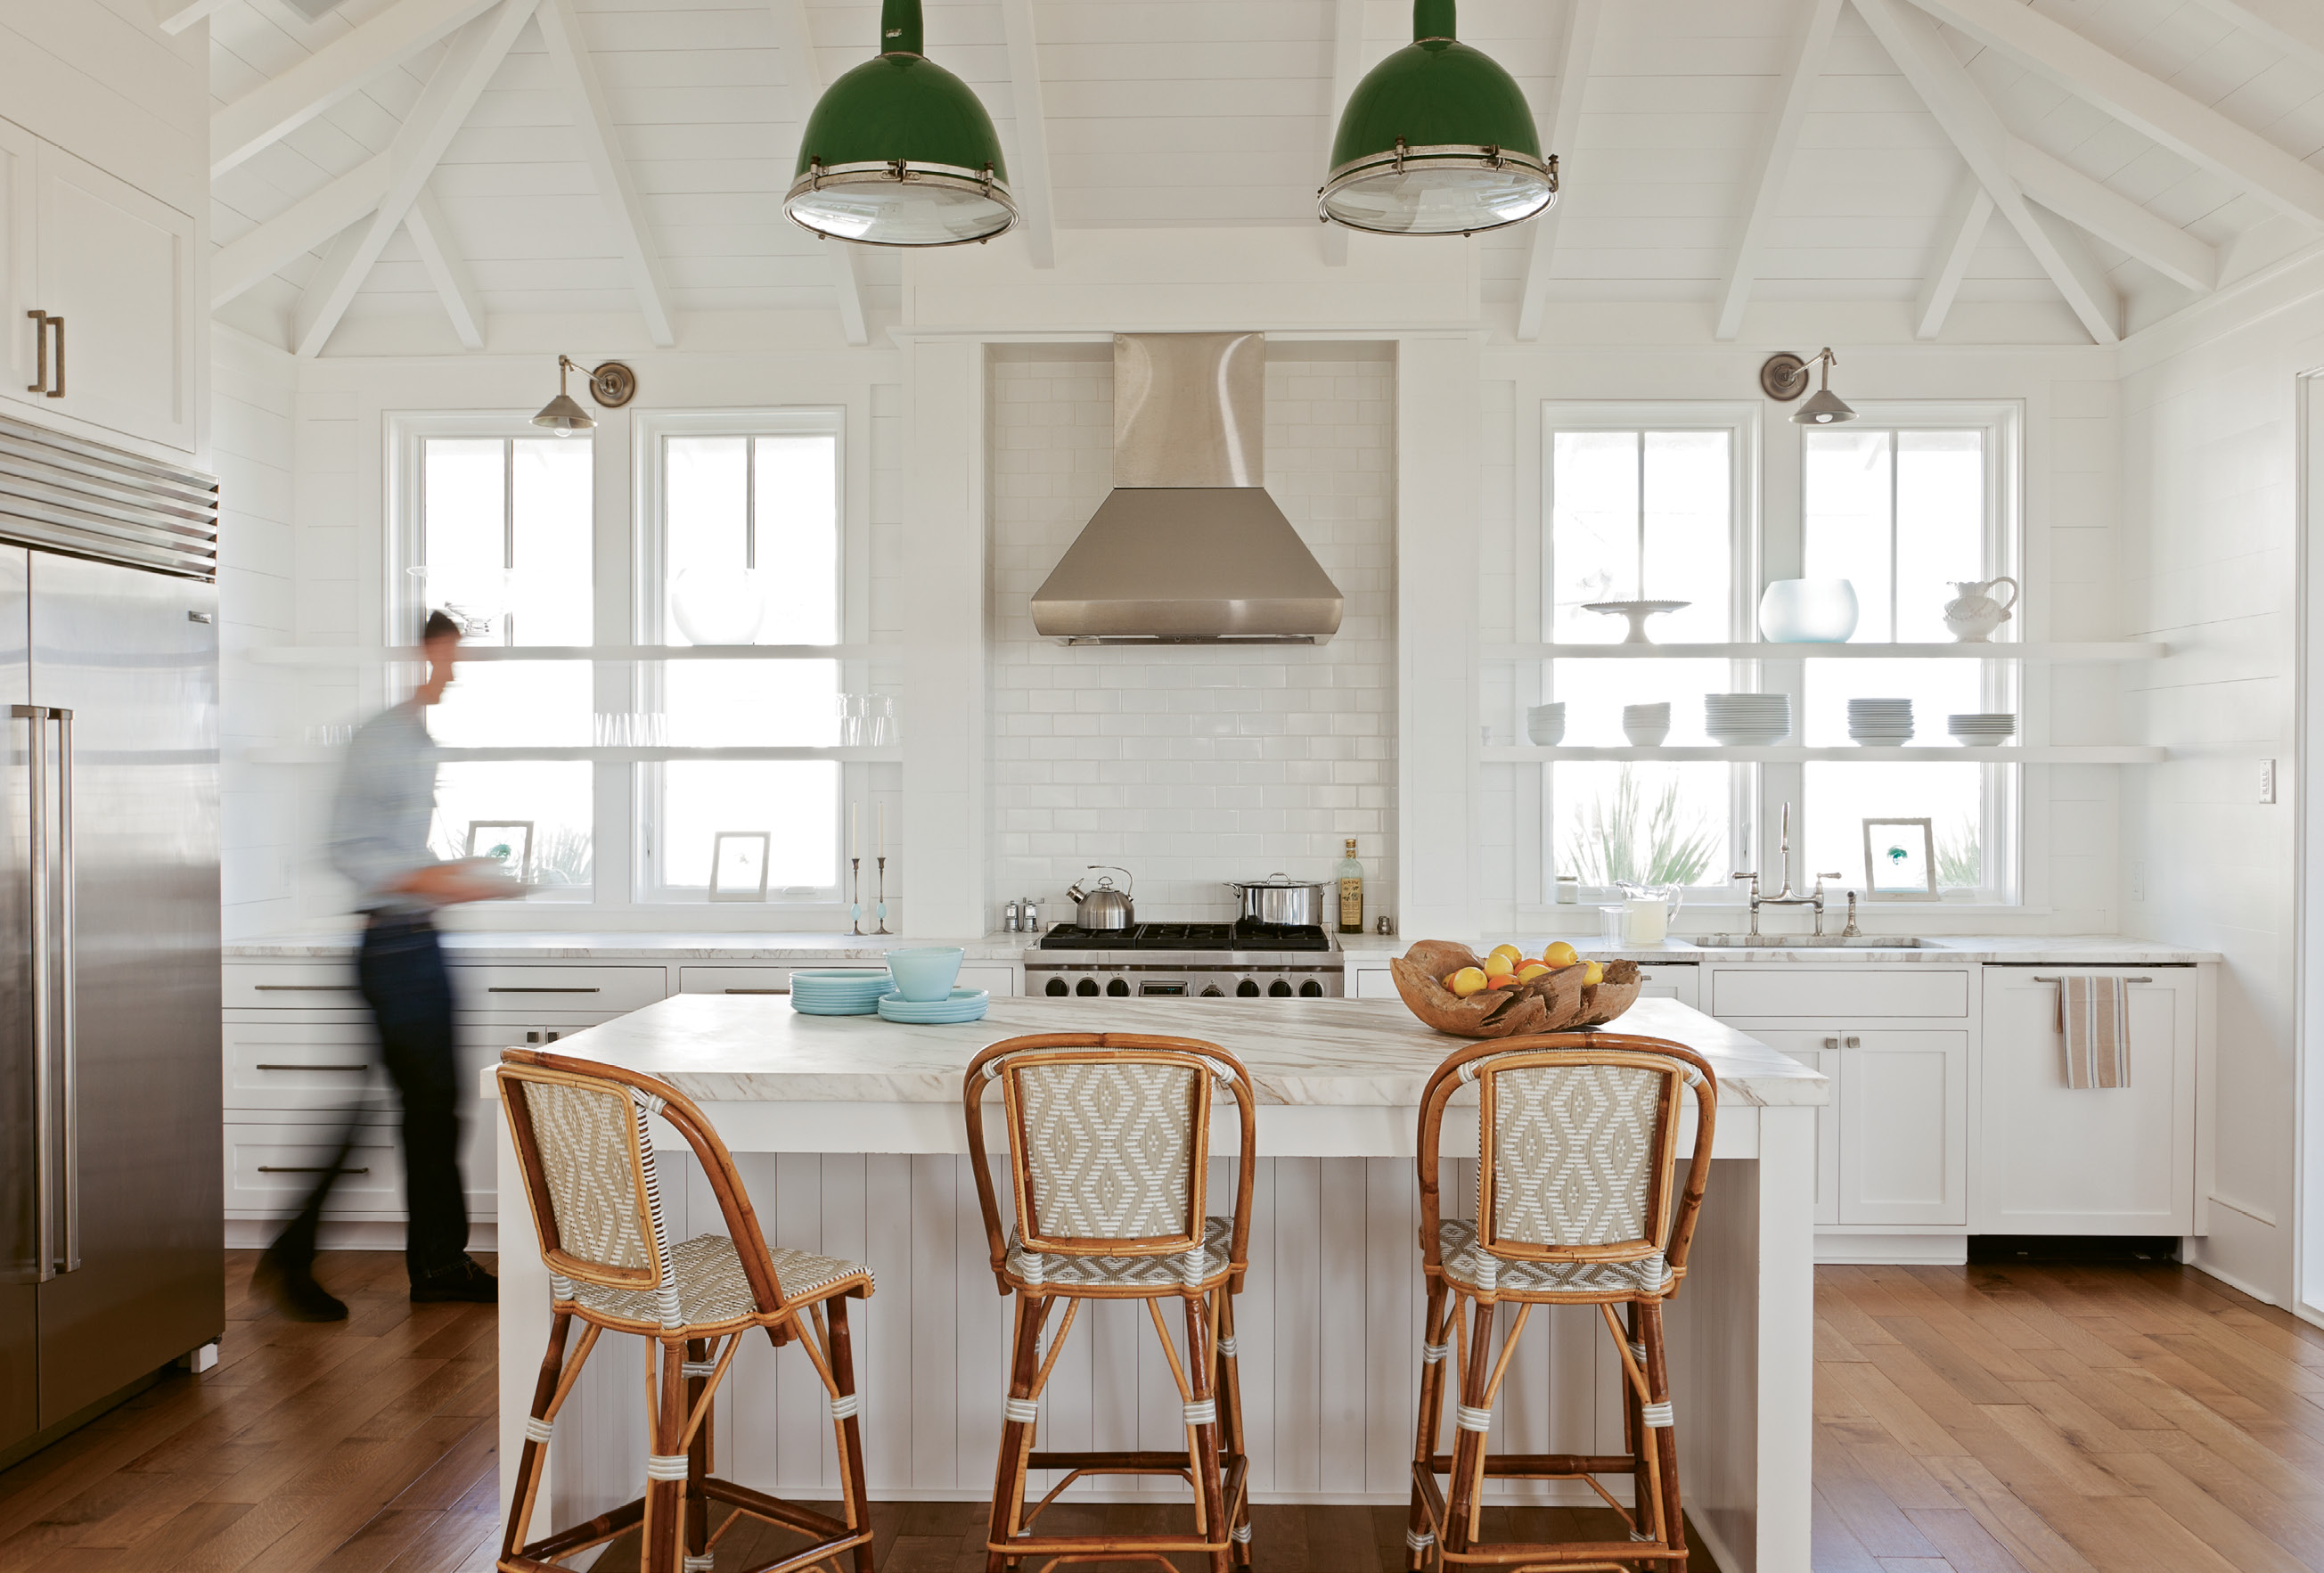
(883,827)
(854,831)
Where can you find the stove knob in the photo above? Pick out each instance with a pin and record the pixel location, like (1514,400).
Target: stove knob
(1247,989)
(1087,986)
(1279,989)
(1118,989)
(1311,989)
(1213,991)
(1058,985)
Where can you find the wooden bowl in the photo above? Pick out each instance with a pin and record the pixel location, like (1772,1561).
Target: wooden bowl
(1554,1002)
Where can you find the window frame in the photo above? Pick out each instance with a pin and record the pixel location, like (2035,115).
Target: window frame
(650,578)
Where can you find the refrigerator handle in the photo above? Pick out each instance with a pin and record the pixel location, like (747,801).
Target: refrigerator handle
(44,1144)
(68,932)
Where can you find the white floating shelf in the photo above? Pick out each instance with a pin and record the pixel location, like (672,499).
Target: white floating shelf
(1781,754)
(1771,651)
(361,655)
(320,756)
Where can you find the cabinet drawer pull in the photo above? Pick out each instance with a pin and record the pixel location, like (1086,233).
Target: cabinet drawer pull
(306,988)
(355,1068)
(307,1169)
(1831,1042)
(2062,980)
(515,988)
(1851,1041)
(758,991)
(41,323)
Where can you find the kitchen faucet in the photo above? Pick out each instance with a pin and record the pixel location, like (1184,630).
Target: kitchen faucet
(1788,897)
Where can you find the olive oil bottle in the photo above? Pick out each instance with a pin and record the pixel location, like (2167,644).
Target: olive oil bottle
(1351,893)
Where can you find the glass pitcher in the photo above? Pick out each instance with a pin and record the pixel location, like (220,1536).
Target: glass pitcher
(1648,910)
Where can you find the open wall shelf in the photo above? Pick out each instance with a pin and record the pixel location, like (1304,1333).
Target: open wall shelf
(1771,651)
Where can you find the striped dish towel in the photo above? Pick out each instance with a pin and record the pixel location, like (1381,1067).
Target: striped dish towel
(2094,1015)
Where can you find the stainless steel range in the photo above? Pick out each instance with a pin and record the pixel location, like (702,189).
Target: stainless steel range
(1190,960)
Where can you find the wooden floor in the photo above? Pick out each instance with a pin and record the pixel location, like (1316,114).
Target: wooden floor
(2031,1419)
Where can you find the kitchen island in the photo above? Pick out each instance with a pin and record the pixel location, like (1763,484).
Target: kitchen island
(847,1131)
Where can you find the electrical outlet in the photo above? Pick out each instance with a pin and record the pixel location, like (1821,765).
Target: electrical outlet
(2138,879)
(2267,780)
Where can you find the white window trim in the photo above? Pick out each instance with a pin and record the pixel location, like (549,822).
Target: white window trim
(649,580)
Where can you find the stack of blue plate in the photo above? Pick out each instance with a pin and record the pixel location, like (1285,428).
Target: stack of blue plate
(838,993)
(966,1004)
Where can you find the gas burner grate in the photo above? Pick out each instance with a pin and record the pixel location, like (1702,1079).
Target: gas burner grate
(1223,936)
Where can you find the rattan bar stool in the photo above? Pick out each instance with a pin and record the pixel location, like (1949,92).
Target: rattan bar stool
(1578,1138)
(582,1138)
(1109,1144)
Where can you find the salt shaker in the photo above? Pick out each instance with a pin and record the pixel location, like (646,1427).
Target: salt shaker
(1009,916)
(1032,916)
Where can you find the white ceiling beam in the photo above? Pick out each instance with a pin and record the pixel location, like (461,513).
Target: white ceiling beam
(1963,229)
(448,270)
(1347,70)
(2153,239)
(592,118)
(1776,152)
(2189,127)
(242,264)
(2294,26)
(1582,20)
(1029,181)
(175,16)
(1943,84)
(340,69)
(801,70)
(443,108)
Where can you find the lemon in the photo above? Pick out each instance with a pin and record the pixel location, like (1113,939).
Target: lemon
(1469,980)
(1594,972)
(1506,956)
(1531,971)
(1560,955)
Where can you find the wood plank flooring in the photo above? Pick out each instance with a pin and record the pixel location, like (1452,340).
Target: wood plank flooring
(2026,1419)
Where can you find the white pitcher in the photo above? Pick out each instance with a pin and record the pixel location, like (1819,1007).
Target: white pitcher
(1648,910)
(1974,614)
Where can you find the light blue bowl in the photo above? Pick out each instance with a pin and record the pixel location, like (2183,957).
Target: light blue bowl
(926,973)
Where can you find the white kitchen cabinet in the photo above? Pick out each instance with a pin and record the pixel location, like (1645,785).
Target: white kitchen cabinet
(1669,983)
(2054,1160)
(110,269)
(1902,1098)
(1371,983)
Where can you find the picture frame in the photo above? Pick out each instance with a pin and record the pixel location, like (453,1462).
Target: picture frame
(507,842)
(738,865)
(1900,860)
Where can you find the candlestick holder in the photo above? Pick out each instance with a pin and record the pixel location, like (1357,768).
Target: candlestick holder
(881,910)
(855,895)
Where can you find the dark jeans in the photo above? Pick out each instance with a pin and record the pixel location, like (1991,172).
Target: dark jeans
(401,971)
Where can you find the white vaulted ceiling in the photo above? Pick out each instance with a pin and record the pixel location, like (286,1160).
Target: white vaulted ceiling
(413,173)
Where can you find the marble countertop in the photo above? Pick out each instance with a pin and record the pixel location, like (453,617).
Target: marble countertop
(1347,1053)
(1940,950)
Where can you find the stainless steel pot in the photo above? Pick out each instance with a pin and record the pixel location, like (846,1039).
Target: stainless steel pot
(1281,900)
(1103,908)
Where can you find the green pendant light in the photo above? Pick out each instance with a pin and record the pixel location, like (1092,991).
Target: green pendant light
(899,151)
(1437,140)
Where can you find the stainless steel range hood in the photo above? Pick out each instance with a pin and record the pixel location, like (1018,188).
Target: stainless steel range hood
(1188,547)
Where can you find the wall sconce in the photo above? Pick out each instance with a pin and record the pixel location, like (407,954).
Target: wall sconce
(1784,377)
(611,384)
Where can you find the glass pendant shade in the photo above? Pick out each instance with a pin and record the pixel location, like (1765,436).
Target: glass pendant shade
(899,151)
(1437,139)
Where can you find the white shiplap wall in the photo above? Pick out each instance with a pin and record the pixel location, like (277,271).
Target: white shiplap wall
(1187,765)
(2211,491)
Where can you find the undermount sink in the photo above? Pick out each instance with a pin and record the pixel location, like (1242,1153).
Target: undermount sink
(1811,942)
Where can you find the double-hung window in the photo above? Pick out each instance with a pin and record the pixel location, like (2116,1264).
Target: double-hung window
(498,531)
(1645,504)
(741,547)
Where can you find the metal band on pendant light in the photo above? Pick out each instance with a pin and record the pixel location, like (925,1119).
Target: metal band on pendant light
(900,151)
(1437,139)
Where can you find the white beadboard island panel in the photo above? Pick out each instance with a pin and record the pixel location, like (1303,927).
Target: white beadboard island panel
(849,1136)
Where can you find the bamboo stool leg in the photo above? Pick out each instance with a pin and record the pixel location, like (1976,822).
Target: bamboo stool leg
(695,1505)
(1229,1386)
(662,1532)
(1203,1440)
(535,1456)
(1467,1482)
(1016,1435)
(1637,1439)
(1663,1438)
(842,1354)
(1435,1329)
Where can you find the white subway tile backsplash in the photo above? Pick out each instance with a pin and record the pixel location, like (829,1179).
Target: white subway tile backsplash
(1191,765)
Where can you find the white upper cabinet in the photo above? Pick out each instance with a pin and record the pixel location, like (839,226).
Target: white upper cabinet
(110,271)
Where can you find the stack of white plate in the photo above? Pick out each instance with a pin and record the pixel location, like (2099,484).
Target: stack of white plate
(1746,721)
(1982,730)
(966,1004)
(1880,723)
(838,993)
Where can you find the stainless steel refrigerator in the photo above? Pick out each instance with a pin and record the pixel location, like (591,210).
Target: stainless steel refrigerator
(110,1177)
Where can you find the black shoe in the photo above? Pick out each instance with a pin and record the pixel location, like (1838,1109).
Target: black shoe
(294,1291)
(465,1282)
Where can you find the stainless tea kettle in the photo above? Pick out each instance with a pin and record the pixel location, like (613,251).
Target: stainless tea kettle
(1103,908)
